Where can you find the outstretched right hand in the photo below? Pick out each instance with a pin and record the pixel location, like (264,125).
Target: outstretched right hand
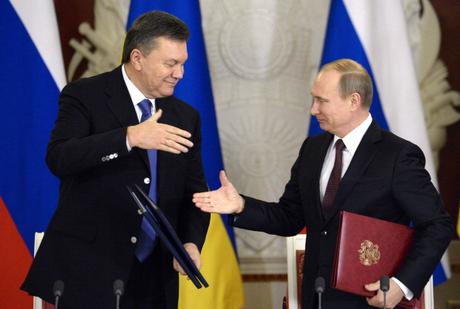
(224,200)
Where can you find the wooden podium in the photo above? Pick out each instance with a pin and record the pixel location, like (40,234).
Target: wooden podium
(295,254)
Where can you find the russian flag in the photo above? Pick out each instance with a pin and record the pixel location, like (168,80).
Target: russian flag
(32,76)
(374,33)
(225,283)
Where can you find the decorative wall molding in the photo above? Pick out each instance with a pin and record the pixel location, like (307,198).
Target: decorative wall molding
(438,99)
(102,45)
(263,56)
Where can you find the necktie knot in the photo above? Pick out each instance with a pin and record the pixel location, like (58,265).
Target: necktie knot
(339,145)
(146,108)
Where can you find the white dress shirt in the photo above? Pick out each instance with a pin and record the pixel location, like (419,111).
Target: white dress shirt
(136,97)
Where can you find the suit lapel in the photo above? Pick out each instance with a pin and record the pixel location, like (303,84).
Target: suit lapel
(119,100)
(167,117)
(121,105)
(363,156)
(165,105)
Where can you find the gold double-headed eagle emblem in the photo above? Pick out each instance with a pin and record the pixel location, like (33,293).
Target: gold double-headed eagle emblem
(369,253)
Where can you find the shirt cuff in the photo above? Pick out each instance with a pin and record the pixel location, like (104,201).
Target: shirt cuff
(407,293)
(127,144)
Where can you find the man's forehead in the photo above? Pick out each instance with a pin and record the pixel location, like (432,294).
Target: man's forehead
(170,48)
(328,75)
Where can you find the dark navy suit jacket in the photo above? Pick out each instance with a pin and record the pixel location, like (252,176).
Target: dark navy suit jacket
(90,240)
(386,179)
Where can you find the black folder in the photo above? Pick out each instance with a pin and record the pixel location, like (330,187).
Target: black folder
(167,235)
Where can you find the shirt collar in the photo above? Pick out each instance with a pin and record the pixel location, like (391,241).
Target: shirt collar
(354,137)
(134,92)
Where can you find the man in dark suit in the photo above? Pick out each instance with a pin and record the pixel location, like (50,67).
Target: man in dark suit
(104,139)
(354,166)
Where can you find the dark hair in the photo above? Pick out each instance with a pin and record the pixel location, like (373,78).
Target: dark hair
(150,26)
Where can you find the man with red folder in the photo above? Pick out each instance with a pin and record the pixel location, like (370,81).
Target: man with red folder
(357,167)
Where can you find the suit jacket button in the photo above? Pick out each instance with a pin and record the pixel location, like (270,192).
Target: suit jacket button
(133,240)
(324,233)
(146,180)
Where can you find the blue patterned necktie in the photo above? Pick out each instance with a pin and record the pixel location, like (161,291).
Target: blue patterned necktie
(147,236)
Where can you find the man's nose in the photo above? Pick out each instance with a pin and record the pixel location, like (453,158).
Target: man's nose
(178,72)
(314,109)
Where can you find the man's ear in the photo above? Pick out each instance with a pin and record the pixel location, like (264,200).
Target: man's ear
(356,101)
(136,59)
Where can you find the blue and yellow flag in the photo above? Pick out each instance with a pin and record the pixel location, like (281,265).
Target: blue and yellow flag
(458,222)
(220,265)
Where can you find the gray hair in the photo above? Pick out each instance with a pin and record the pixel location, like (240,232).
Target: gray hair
(354,79)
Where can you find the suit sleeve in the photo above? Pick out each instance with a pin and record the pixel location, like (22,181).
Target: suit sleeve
(193,223)
(415,193)
(74,145)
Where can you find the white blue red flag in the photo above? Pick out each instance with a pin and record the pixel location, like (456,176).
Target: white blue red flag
(32,76)
(374,33)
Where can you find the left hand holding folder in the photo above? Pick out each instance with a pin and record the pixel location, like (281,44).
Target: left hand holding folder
(394,294)
(194,253)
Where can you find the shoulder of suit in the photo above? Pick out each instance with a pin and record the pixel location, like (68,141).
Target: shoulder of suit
(99,81)
(390,137)
(175,103)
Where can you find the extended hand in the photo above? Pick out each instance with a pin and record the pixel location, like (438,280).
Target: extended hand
(394,294)
(153,135)
(194,253)
(224,200)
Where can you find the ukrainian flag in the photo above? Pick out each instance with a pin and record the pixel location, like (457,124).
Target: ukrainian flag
(458,222)
(220,265)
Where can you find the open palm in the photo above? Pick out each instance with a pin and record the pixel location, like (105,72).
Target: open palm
(224,200)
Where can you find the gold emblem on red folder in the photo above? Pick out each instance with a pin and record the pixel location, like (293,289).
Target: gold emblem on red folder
(369,253)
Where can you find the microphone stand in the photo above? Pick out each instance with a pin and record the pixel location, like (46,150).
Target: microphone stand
(384,287)
(319,288)
(58,291)
(118,290)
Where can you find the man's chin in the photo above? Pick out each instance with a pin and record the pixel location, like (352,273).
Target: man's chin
(167,93)
(323,126)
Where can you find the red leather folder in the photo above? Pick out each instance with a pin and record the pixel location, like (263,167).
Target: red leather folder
(367,249)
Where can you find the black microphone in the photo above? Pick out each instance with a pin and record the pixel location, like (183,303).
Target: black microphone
(58,291)
(118,290)
(384,287)
(320,285)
